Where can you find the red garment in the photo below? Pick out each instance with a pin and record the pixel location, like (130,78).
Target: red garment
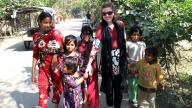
(113,34)
(44,46)
(92,82)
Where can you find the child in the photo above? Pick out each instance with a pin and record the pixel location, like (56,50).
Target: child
(72,81)
(70,50)
(135,51)
(84,47)
(47,43)
(150,76)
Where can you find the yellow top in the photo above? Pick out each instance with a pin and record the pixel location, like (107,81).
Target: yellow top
(150,75)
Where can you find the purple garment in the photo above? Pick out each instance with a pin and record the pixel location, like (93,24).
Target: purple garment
(73,97)
(76,57)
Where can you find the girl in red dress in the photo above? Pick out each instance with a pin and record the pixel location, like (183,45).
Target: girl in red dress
(47,44)
(84,48)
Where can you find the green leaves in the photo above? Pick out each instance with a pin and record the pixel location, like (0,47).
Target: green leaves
(164,23)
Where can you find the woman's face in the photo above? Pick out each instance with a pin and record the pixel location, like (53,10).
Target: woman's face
(135,36)
(46,24)
(107,14)
(70,46)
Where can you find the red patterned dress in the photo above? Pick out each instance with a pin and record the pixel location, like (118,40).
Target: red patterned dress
(92,82)
(45,45)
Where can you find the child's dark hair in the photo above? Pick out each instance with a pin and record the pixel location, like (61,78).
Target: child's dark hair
(69,38)
(71,64)
(154,52)
(86,29)
(135,29)
(43,15)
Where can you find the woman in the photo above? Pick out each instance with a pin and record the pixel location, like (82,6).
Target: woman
(110,35)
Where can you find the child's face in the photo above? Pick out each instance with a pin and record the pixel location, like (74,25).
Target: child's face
(149,57)
(135,36)
(66,70)
(46,24)
(86,37)
(70,46)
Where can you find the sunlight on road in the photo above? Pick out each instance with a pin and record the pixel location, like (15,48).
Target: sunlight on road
(16,89)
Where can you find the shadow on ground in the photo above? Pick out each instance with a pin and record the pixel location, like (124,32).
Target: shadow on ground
(25,99)
(19,47)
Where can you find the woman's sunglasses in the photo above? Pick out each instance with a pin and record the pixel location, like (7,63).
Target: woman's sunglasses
(107,13)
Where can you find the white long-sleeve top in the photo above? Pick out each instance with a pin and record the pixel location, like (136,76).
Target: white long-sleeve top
(135,50)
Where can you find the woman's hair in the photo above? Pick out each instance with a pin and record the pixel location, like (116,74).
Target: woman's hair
(43,15)
(153,51)
(68,39)
(135,29)
(71,64)
(86,29)
(110,5)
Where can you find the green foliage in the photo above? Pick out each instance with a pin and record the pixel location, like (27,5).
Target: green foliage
(67,8)
(185,78)
(164,23)
(8,5)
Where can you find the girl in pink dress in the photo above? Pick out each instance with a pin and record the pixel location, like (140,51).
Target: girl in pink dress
(84,48)
(47,44)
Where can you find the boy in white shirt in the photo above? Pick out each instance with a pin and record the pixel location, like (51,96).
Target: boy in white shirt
(135,52)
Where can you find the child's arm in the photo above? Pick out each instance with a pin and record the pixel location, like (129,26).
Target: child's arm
(35,58)
(57,49)
(81,79)
(33,77)
(85,96)
(160,77)
(74,83)
(95,48)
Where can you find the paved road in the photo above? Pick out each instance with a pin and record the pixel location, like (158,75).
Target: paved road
(16,89)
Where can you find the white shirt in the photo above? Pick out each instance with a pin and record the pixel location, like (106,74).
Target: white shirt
(135,50)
